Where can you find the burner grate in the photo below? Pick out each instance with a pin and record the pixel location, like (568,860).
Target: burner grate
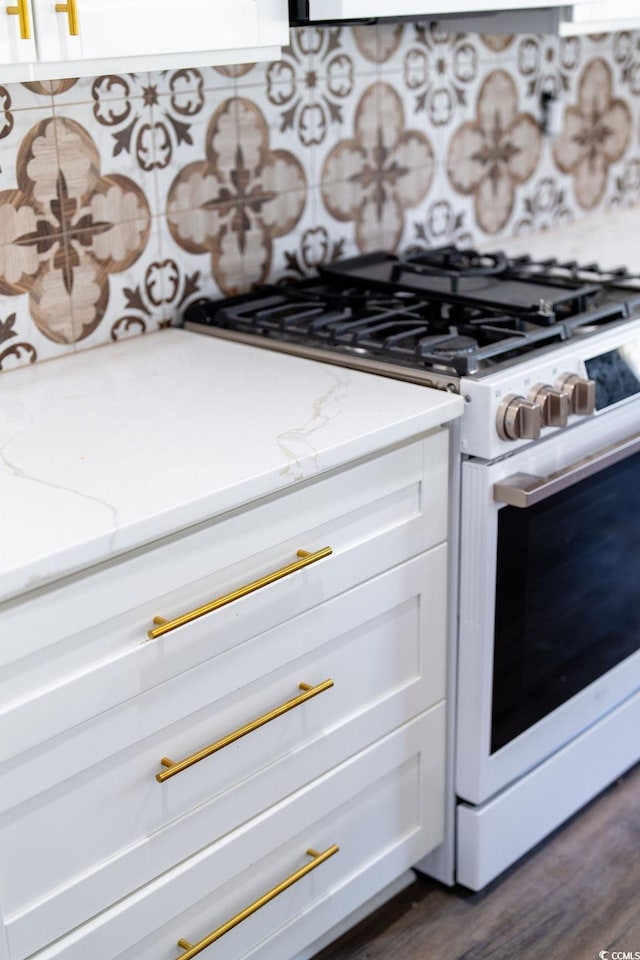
(450,310)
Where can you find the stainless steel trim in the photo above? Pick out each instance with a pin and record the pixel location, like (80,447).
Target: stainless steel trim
(524,489)
(448,383)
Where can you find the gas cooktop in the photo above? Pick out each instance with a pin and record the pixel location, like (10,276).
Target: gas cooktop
(447,312)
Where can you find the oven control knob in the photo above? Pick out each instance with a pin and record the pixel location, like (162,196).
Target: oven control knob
(519,419)
(554,404)
(581,392)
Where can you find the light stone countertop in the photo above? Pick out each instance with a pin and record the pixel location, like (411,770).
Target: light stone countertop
(111,448)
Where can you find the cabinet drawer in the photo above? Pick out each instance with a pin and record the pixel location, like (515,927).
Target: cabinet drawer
(383,809)
(374,515)
(85,822)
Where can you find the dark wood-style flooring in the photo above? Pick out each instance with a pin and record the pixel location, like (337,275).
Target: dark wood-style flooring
(575,895)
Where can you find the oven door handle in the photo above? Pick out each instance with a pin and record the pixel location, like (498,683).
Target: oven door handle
(526,489)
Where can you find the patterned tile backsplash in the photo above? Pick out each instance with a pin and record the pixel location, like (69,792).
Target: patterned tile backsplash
(124,197)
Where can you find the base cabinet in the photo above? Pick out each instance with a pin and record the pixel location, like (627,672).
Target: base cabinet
(285,748)
(382,809)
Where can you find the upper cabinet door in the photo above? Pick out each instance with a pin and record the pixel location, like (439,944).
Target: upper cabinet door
(97,29)
(16,32)
(602,15)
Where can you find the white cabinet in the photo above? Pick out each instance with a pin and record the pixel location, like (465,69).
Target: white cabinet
(299,701)
(17,44)
(85,37)
(600,16)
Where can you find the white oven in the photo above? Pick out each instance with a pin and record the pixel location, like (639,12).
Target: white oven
(549,623)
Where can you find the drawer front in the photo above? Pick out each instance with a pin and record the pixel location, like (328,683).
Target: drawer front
(85,822)
(60,644)
(383,809)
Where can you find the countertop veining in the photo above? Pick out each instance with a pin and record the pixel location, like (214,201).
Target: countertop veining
(106,450)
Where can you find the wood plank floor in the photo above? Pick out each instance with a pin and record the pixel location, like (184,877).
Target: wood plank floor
(576,894)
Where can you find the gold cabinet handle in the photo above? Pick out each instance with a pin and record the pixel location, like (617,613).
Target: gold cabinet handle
(22,12)
(164,626)
(173,768)
(193,949)
(71,11)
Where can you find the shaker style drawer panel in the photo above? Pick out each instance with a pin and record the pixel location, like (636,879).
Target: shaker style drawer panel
(84,821)
(382,809)
(373,516)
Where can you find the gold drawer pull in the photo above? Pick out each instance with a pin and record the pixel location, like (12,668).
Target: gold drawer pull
(173,768)
(193,949)
(71,11)
(164,626)
(22,12)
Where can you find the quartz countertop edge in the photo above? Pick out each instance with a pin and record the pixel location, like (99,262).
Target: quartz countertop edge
(107,450)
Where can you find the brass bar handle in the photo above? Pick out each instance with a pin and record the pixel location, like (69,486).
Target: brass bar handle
(526,489)
(164,626)
(173,768)
(193,949)
(21,10)
(71,11)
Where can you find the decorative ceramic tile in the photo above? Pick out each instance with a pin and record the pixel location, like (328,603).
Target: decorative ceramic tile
(23,96)
(119,282)
(310,45)
(232,202)
(229,79)
(444,218)
(335,55)
(74,226)
(624,184)
(626,62)
(122,137)
(16,333)
(300,104)
(497,48)
(31,220)
(97,90)
(180,107)
(14,127)
(383,168)
(491,156)
(337,122)
(181,126)
(597,130)
(186,275)
(544,202)
(294,68)
(546,65)
(29,238)
(378,47)
(305,111)
(439,71)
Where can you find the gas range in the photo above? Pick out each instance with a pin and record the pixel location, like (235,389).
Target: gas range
(530,344)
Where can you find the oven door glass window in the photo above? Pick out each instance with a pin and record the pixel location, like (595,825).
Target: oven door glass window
(567,595)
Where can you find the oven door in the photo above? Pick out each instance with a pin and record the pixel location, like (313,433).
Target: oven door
(549,636)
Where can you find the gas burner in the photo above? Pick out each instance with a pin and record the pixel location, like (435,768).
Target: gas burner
(456,347)
(457,312)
